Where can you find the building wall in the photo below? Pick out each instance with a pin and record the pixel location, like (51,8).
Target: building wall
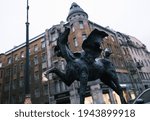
(2,59)
(135,52)
(141,55)
(14,69)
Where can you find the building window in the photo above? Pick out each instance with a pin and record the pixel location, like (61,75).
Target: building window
(21,82)
(135,60)
(1,74)
(112,38)
(109,46)
(14,84)
(121,62)
(9,60)
(75,42)
(141,52)
(135,51)
(6,87)
(1,64)
(53,36)
(7,71)
(43,44)
(22,54)
(138,52)
(20,98)
(149,75)
(142,75)
(16,57)
(35,48)
(84,37)
(44,66)
(81,24)
(52,51)
(35,60)
(125,53)
(43,57)
(116,48)
(132,50)
(62,65)
(46,90)
(72,27)
(21,66)
(146,63)
(37,93)
(36,76)
(15,69)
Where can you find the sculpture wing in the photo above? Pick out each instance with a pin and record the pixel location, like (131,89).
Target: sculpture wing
(93,41)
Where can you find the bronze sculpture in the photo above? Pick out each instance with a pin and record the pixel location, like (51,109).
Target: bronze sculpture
(83,67)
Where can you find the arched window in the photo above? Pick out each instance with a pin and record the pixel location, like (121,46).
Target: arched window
(75,41)
(81,24)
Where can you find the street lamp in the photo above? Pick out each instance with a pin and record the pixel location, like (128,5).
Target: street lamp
(27,86)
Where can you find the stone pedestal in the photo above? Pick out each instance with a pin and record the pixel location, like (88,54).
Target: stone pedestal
(97,95)
(74,97)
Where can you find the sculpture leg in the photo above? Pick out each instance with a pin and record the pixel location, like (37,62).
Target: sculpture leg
(114,84)
(119,91)
(83,84)
(82,92)
(61,75)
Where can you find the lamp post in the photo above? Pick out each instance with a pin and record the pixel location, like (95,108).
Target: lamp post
(27,86)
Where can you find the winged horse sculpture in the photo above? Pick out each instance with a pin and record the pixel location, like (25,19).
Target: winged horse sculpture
(83,66)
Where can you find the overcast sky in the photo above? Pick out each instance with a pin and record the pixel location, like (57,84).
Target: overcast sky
(131,17)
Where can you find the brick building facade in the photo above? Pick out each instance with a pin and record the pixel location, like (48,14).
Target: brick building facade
(42,57)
